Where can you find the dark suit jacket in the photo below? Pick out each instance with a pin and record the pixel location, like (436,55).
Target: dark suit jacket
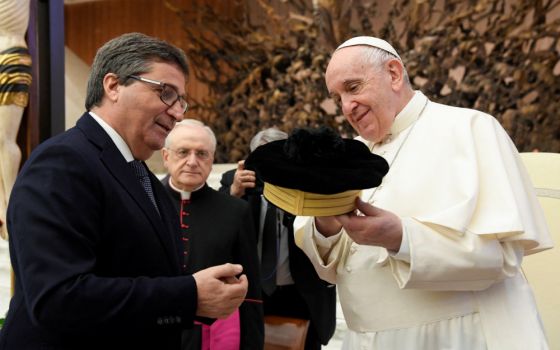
(96,267)
(319,295)
(221,231)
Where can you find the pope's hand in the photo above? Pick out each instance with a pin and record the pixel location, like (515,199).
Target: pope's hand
(327,225)
(376,226)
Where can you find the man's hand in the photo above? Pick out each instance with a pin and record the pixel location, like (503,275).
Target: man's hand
(220,292)
(327,225)
(376,227)
(242,180)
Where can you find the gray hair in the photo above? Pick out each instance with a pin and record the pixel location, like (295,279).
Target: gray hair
(378,57)
(129,54)
(185,123)
(266,136)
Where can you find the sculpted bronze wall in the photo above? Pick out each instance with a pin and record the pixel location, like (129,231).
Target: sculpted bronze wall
(260,63)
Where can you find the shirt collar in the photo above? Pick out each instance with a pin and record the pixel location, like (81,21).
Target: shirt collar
(115,137)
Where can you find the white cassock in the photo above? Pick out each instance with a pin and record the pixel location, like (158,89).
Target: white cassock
(469,215)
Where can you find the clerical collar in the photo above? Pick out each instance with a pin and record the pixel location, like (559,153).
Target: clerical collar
(409,113)
(184,194)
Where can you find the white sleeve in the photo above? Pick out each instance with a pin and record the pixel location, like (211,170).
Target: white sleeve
(325,253)
(404,252)
(443,259)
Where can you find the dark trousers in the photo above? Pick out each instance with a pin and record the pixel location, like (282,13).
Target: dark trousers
(286,301)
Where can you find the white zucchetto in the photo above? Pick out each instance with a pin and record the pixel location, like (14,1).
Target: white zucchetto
(370,41)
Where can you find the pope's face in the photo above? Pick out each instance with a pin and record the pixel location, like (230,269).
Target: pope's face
(189,157)
(363,92)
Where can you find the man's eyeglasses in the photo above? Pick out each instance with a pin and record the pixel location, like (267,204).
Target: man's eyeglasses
(168,94)
(184,153)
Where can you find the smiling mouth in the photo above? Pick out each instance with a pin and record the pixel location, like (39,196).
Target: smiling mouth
(359,117)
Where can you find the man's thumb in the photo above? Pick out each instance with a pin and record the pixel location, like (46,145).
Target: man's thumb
(366,208)
(227,270)
(241,165)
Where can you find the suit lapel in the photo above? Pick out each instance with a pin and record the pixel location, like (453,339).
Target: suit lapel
(124,175)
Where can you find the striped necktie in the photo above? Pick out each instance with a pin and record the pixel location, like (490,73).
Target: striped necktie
(144,178)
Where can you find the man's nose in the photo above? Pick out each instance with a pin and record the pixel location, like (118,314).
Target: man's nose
(176,111)
(191,157)
(347,106)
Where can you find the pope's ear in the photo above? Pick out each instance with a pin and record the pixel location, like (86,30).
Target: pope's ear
(111,86)
(396,71)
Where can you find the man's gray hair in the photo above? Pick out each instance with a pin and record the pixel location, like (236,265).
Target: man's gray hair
(378,57)
(130,54)
(266,136)
(189,123)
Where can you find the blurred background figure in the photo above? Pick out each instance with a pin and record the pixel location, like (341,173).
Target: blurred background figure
(291,287)
(215,229)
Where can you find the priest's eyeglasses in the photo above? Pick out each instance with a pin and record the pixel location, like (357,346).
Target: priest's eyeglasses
(167,93)
(183,153)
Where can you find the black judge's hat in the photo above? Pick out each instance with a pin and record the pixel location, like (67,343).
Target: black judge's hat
(315,172)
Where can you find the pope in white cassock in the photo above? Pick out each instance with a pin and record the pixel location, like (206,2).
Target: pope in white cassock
(432,260)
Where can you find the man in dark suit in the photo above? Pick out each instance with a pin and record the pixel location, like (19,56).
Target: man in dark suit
(291,287)
(215,228)
(93,238)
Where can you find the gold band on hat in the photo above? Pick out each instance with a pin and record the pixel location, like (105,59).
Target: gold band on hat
(302,203)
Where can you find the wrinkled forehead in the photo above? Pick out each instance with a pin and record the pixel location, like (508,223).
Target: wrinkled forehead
(347,62)
(192,136)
